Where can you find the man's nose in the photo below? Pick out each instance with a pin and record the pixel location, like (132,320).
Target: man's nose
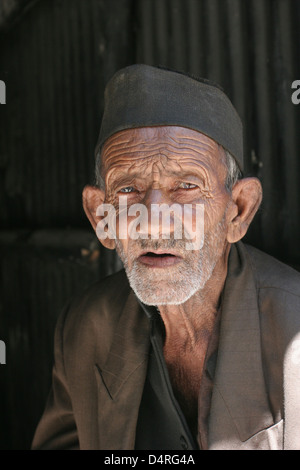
(160,217)
(156,196)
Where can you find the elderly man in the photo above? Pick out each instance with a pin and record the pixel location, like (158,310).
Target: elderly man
(191,346)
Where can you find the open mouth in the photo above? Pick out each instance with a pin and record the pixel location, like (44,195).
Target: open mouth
(159,260)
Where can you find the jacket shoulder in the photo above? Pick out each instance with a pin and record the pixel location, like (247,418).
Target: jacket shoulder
(105,293)
(102,296)
(94,313)
(278,290)
(272,273)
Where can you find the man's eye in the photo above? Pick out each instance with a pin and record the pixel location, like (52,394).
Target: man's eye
(128,189)
(184,185)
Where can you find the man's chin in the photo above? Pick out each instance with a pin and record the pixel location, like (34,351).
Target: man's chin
(162,294)
(155,301)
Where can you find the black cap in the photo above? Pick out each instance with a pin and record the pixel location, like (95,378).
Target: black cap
(143,96)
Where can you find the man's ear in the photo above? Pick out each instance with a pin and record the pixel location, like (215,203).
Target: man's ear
(92,198)
(246,196)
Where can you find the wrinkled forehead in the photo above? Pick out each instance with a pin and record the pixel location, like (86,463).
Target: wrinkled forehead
(167,144)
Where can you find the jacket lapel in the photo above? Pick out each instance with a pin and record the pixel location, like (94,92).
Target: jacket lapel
(125,369)
(239,409)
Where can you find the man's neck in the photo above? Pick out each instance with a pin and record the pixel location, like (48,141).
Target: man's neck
(189,324)
(191,337)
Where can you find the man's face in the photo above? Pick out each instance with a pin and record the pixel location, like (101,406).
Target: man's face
(170,165)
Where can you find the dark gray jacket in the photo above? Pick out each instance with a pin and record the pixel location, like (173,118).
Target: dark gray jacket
(101,353)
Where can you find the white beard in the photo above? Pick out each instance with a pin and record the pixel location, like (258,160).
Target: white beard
(176,284)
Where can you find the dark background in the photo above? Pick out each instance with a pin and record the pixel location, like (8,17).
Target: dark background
(55,58)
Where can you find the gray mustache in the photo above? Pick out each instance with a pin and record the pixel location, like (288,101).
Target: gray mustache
(161,244)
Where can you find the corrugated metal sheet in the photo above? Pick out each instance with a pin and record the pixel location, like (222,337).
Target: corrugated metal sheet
(55,62)
(252,49)
(12,10)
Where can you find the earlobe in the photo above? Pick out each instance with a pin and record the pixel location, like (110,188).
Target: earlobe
(246,197)
(92,198)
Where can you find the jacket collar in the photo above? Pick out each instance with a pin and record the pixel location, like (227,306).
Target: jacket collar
(239,408)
